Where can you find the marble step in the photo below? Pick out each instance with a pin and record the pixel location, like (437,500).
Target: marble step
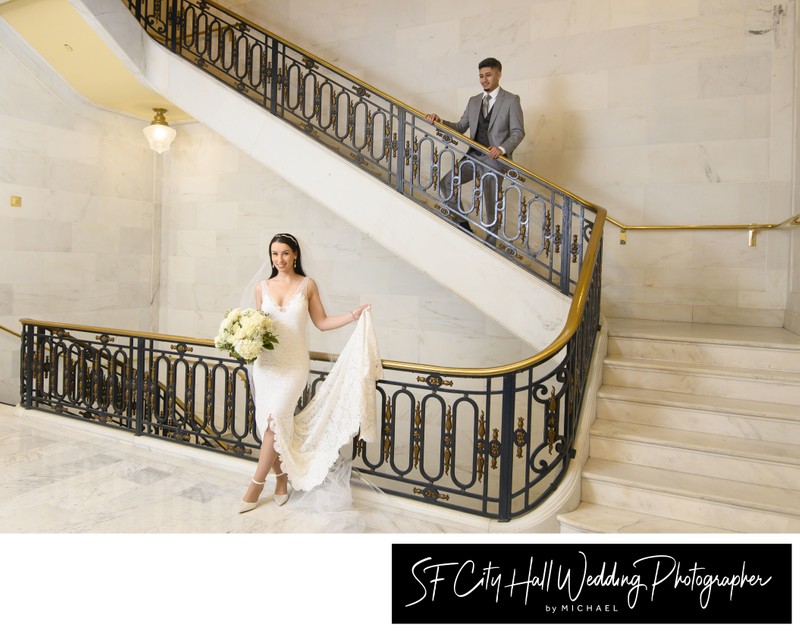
(732,345)
(742,354)
(712,502)
(731,458)
(591,518)
(713,381)
(766,421)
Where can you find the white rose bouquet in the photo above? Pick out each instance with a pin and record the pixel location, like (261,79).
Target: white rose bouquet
(244,333)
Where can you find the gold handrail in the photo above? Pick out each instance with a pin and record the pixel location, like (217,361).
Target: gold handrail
(161,386)
(751,228)
(10,331)
(466,139)
(578,300)
(569,329)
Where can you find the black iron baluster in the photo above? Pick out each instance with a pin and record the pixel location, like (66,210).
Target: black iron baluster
(506,447)
(141,388)
(148,397)
(26,370)
(171,31)
(400,184)
(566,232)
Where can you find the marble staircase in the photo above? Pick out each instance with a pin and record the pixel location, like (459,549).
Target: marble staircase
(697,431)
(401,226)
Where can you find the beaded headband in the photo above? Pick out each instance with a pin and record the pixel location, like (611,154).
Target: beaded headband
(286,236)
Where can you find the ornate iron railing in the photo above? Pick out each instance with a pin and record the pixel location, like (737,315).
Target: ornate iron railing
(534,222)
(492,442)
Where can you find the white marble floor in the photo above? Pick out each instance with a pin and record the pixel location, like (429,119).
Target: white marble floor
(141,535)
(60,475)
(145,534)
(97,522)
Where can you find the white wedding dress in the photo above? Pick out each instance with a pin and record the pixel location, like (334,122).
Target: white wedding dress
(309,444)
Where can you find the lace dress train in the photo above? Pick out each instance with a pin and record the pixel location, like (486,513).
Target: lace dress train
(310,443)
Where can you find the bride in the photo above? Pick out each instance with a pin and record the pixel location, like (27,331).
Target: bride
(304,448)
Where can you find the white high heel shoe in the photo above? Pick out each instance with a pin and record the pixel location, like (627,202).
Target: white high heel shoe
(280,499)
(245,506)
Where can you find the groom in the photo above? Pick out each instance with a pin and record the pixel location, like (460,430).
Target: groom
(494,119)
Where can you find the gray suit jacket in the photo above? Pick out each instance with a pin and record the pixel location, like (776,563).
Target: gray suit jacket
(506,124)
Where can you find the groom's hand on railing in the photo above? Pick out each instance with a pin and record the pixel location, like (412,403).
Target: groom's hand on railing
(495,152)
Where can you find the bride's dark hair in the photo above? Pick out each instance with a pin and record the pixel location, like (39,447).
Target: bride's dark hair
(291,241)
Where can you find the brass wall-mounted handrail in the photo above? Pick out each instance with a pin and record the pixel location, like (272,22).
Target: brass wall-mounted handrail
(10,331)
(751,228)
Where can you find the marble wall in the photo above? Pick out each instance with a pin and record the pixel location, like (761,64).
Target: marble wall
(112,235)
(662,112)
(79,248)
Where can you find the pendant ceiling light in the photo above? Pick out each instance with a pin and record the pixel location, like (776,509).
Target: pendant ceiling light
(159,134)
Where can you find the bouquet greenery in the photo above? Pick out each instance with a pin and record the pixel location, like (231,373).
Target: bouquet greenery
(244,333)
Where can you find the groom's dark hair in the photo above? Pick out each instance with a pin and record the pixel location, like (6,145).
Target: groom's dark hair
(491,62)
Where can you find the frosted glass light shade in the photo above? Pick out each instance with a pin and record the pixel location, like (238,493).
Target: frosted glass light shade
(159,134)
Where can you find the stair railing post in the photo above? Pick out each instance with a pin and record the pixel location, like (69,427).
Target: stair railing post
(138,10)
(566,242)
(506,448)
(26,370)
(141,391)
(273,78)
(172,25)
(401,153)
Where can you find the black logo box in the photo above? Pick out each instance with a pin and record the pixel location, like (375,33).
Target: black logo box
(592,583)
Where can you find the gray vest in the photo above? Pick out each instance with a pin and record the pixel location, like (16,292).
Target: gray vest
(482,133)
